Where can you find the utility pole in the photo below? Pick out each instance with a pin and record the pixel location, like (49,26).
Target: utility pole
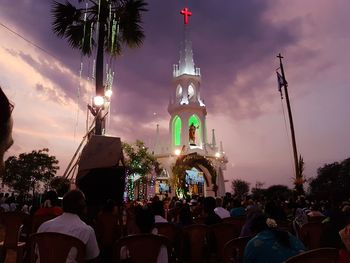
(294,145)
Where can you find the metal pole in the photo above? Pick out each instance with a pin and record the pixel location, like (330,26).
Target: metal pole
(295,153)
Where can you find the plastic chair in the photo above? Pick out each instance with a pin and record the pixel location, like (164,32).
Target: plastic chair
(310,234)
(194,243)
(170,231)
(55,247)
(234,249)
(320,255)
(140,248)
(219,235)
(12,222)
(237,221)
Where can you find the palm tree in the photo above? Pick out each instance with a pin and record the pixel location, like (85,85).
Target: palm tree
(108,25)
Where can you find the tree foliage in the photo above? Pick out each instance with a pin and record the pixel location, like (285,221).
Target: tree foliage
(240,187)
(138,159)
(60,184)
(275,192)
(332,182)
(27,171)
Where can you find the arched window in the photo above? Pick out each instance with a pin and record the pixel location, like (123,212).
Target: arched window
(178,91)
(190,91)
(197,123)
(177,131)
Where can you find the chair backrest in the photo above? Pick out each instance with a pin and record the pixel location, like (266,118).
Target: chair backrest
(140,248)
(310,234)
(234,249)
(169,230)
(237,221)
(320,255)
(55,247)
(12,222)
(220,234)
(107,229)
(37,220)
(194,243)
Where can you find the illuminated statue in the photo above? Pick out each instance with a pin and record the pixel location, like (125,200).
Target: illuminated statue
(192,134)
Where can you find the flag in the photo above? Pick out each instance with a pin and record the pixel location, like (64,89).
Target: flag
(280,81)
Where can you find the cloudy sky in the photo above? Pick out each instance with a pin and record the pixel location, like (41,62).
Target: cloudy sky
(235,44)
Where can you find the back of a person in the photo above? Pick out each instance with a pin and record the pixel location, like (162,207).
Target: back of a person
(69,223)
(265,248)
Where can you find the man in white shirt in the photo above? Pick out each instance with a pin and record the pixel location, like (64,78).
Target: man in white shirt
(69,223)
(219,210)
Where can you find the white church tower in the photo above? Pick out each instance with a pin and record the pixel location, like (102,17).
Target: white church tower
(188,130)
(186,107)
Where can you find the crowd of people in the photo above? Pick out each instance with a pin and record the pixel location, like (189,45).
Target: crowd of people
(270,241)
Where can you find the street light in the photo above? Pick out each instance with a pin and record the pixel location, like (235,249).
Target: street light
(177,152)
(98,101)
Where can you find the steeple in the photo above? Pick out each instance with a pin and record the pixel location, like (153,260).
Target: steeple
(186,62)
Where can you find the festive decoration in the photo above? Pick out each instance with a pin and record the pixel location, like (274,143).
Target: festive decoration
(139,163)
(186,162)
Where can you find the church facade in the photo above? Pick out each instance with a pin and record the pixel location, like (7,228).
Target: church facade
(187,139)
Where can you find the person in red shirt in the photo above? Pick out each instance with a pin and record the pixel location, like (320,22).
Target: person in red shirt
(50,205)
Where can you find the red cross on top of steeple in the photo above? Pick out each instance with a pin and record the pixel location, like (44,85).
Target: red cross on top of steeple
(186,13)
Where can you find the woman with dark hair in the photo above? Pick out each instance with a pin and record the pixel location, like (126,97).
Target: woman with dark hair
(270,245)
(5,127)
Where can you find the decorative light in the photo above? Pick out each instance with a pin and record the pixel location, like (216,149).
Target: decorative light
(99,101)
(177,152)
(108,93)
(217,155)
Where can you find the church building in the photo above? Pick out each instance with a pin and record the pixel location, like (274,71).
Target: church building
(203,162)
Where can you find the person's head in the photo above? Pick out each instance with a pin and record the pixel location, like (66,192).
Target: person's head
(144,218)
(158,208)
(209,204)
(52,197)
(74,202)
(109,206)
(5,127)
(218,201)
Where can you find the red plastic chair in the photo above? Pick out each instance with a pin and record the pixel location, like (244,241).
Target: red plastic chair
(140,248)
(194,243)
(219,235)
(55,247)
(234,249)
(320,255)
(12,222)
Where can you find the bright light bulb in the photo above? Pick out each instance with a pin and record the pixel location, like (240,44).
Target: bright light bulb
(217,155)
(98,101)
(108,93)
(177,152)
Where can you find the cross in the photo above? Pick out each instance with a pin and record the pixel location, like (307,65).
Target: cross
(186,13)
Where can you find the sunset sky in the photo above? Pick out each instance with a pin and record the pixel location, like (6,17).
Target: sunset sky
(235,44)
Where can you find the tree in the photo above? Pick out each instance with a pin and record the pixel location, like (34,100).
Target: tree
(117,24)
(60,184)
(29,170)
(139,163)
(275,192)
(332,182)
(240,187)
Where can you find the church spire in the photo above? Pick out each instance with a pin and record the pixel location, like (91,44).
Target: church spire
(186,62)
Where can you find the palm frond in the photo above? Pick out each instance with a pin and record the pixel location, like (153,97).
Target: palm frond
(64,15)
